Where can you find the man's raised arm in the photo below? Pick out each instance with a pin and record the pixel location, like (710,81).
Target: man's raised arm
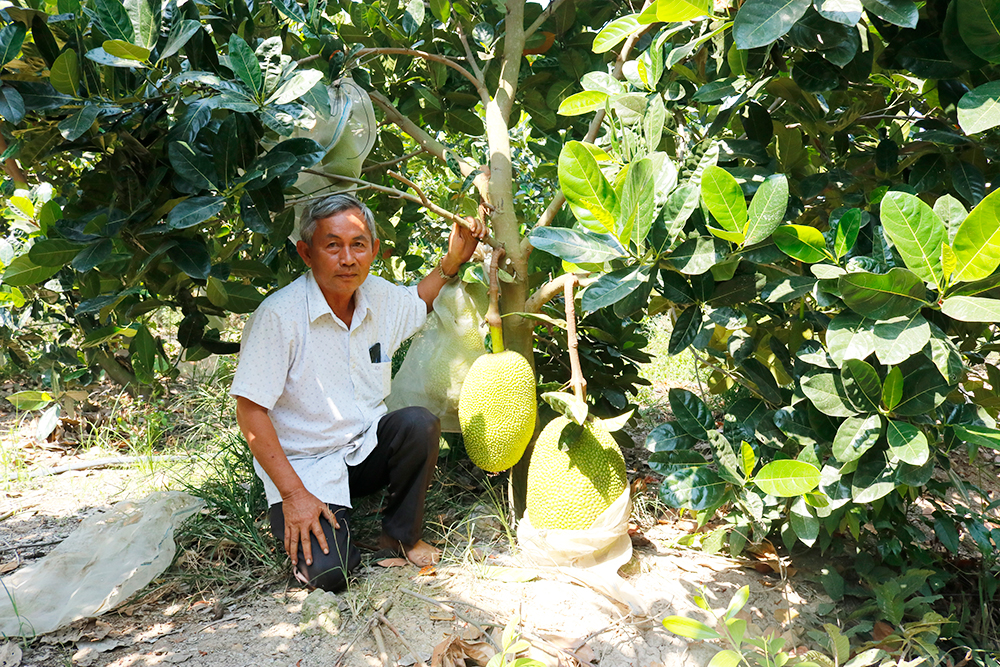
(462,243)
(302,509)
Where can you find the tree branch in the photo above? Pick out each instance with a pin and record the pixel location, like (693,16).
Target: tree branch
(512,56)
(546,293)
(576,376)
(433,57)
(472,60)
(12,168)
(402,158)
(423,201)
(542,18)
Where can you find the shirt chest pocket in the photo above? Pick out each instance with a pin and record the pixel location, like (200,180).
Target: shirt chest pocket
(378,374)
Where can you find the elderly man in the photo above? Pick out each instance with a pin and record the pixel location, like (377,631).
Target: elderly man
(314,371)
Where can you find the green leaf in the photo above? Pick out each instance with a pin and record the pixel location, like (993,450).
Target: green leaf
(726,658)
(11,108)
(691,413)
(872,480)
(92,255)
(971,309)
(192,211)
(180,34)
(861,385)
(903,13)
(65,73)
(668,437)
(892,389)
(724,199)
(969,181)
(827,393)
(884,296)
(787,478)
(242,298)
(146,19)
(126,51)
(30,400)
(801,242)
(191,164)
(582,103)
(191,256)
(695,488)
(977,242)
(917,232)
(788,289)
(767,209)
(898,339)
(725,458)
(675,11)
(671,461)
(576,247)
(54,252)
(613,287)
(583,184)
(979,109)
(762,22)
(102,57)
(413,17)
(441,9)
(907,443)
(615,33)
(806,527)
(245,65)
(638,203)
(115,20)
(848,227)
(847,12)
(982,436)
(295,87)
(22,271)
(850,336)
(924,388)
(77,124)
(569,405)
(855,436)
(979,25)
(11,39)
(761,376)
(695,256)
(690,628)
(686,328)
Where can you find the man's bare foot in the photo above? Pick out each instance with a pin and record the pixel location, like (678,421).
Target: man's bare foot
(420,554)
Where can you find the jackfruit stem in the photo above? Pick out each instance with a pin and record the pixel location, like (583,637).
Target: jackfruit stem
(576,376)
(493,313)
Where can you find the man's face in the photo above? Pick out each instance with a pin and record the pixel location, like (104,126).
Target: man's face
(341,253)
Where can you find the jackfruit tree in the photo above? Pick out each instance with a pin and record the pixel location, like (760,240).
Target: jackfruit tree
(805,188)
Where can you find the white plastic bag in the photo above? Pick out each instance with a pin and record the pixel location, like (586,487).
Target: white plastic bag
(591,556)
(442,353)
(106,560)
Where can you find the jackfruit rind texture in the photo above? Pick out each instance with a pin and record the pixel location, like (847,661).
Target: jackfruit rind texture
(569,489)
(497,410)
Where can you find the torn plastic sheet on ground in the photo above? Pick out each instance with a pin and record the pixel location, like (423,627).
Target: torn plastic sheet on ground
(442,354)
(590,557)
(106,560)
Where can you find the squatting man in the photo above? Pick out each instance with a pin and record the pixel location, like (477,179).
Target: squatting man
(314,370)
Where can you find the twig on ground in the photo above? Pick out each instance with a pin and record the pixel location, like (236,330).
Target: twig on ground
(17,510)
(224,619)
(34,545)
(449,606)
(97,463)
(380,642)
(385,621)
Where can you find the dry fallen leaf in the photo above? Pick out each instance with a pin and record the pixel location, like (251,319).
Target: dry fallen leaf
(9,566)
(454,651)
(393,562)
(428,571)
(881,631)
(785,616)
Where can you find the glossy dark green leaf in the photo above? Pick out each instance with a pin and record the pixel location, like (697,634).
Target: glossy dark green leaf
(669,461)
(669,437)
(687,326)
(234,147)
(979,25)
(759,374)
(758,124)
(827,393)
(44,41)
(917,232)
(576,247)
(861,385)
(11,38)
(290,9)
(982,436)
(92,255)
(694,256)
(54,252)
(872,480)
(693,488)
(612,287)
(77,124)
(847,12)
(924,388)
(855,436)
(192,165)
(64,75)
(22,271)
(762,22)
(196,210)
(115,21)
(245,65)
(191,256)
(815,74)
(787,478)
(787,289)
(691,413)
(11,105)
(907,443)
(977,242)
(897,293)
(801,242)
(925,174)
(979,109)
(725,458)
(413,16)
(903,13)
(179,36)
(898,339)
(848,227)
(242,298)
(926,58)
(969,182)
(146,17)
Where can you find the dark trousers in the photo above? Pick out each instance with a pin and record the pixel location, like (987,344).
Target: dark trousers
(403,461)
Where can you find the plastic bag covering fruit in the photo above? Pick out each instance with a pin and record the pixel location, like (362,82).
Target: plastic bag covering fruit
(442,353)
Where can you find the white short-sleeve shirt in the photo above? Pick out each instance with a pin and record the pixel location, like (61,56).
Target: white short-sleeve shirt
(324,384)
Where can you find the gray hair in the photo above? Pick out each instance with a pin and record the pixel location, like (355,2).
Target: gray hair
(328,206)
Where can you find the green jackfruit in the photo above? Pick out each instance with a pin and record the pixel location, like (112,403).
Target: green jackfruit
(497,410)
(569,488)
